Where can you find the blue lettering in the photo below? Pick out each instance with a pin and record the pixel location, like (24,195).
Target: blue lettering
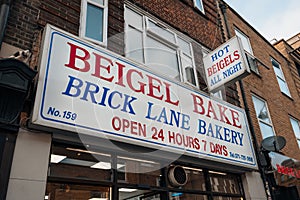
(127,103)
(110,99)
(201,127)
(76,87)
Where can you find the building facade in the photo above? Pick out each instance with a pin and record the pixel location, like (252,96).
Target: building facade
(120,107)
(270,96)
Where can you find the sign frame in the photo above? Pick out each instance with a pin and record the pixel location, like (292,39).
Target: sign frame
(232,66)
(50,112)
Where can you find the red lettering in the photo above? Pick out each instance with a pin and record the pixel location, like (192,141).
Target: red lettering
(153,88)
(198,101)
(129,81)
(210,109)
(98,66)
(73,56)
(235,119)
(120,73)
(168,95)
(223,116)
(236,55)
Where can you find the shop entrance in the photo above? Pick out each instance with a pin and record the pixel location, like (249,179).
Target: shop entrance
(79,174)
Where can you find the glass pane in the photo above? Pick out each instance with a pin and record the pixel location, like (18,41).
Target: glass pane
(101,2)
(283,86)
(138,171)
(185,196)
(161,57)
(296,128)
(94,22)
(134,45)
(199,4)
(133,19)
(62,191)
(169,36)
(245,41)
(135,194)
(277,69)
(225,183)
(266,130)
(79,164)
(227,198)
(184,46)
(189,73)
(261,110)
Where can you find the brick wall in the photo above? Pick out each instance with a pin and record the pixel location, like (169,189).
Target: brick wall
(266,86)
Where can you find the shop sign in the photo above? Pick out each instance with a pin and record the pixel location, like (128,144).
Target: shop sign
(89,90)
(225,64)
(287,170)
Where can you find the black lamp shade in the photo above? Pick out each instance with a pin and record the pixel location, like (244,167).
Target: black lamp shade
(15,79)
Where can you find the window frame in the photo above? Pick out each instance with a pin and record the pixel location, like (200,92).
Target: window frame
(280,78)
(298,123)
(201,8)
(236,30)
(147,32)
(270,124)
(83,18)
(249,54)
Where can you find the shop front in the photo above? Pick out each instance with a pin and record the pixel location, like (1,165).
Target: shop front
(78,173)
(120,131)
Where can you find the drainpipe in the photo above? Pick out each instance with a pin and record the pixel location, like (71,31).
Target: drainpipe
(223,8)
(4,11)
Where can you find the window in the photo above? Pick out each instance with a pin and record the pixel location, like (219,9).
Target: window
(296,129)
(198,4)
(280,77)
(248,50)
(263,116)
(93,23)
(159,48)
(245,41)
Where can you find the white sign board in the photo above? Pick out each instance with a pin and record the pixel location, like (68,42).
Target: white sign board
(90,90)
(225,64)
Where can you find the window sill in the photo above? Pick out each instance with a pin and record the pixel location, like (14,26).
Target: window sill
(289,97)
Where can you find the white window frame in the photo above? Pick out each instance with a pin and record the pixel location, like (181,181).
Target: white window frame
(146,32)
(297,136)
(270,124)
(240,34)
(249,53)
(288,93)
(201,8)
(83,16)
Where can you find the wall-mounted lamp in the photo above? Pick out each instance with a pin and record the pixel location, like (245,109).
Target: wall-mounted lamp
(15,79)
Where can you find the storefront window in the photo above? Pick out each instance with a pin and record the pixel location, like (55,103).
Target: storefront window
(184,196)
(78,163)
(80,174)
(138,171)
(227,198)
(135,194)
(195,178)
(59,191)
(224,183)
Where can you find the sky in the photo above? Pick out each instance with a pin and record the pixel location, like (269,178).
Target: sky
(279,19)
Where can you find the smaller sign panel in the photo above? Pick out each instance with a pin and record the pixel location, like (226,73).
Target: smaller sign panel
(225,64)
